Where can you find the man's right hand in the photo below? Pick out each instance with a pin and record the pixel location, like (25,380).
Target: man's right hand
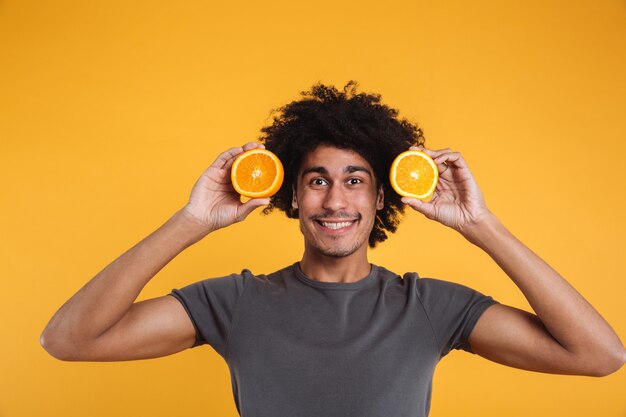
(102,321)
(214,203)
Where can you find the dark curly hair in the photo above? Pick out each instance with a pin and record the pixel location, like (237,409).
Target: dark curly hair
(346,120)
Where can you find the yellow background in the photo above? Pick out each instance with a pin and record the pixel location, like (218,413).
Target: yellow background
(111,110)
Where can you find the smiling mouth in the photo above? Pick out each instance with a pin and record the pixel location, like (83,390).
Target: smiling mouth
(336,225)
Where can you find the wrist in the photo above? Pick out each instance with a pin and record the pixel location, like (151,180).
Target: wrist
(190,225)
(480,230)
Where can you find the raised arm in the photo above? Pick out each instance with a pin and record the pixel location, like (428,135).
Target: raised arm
(567,335)
(102,322)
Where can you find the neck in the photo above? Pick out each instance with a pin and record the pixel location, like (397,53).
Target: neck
(325,268)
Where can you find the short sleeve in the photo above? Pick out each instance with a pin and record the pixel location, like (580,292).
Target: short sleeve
(211,305)
(453,311)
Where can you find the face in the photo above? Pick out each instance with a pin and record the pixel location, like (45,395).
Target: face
(337,199)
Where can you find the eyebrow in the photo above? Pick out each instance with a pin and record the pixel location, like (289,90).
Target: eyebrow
(348,170)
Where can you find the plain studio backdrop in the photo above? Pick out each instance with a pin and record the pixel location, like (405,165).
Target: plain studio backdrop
(111,110)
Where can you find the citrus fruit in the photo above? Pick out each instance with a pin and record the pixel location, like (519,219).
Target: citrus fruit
(414,174)
(257,173)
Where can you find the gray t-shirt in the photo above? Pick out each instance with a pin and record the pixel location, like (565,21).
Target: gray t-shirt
(303,348)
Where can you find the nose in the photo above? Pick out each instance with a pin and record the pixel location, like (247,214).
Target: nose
(335,198)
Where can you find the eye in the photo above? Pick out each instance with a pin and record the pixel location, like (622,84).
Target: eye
(318,181)
(354,181)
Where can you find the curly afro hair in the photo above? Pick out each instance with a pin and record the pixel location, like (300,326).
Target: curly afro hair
(347,120)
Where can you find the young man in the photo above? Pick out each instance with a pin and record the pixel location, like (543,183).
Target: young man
(333,335)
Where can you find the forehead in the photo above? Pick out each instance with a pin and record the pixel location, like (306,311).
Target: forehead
(332,158)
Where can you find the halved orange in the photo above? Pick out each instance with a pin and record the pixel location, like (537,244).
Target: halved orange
(414,174)
(257,173)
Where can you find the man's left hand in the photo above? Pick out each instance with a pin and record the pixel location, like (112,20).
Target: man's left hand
(457,201)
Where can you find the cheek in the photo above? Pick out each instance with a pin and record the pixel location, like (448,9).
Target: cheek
(309,205)
(365,201)
(306,201)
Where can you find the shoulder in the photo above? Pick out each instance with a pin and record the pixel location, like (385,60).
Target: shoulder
(413,279)
(261,283)
(426,285)
(431,290)
(238,282)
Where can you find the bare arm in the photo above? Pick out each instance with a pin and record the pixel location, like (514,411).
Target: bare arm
(566,335)
(102,322)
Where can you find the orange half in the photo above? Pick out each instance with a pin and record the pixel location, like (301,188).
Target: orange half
(257,173)
(414,174)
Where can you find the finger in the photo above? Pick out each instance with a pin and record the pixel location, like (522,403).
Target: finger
(429,152)
(253,145)
(434,153)
(248,207)
(427,209)
(226,157)
(454,158)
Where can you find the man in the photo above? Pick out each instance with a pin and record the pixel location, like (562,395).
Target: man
(333,335)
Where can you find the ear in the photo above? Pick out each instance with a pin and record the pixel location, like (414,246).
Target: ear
(380,199)
(294,200)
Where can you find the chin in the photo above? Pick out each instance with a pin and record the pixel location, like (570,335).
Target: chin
(337,252)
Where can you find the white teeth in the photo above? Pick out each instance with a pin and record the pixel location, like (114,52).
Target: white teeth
(336,225)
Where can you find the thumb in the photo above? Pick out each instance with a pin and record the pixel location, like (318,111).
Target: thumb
(248,207)
(426,209)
